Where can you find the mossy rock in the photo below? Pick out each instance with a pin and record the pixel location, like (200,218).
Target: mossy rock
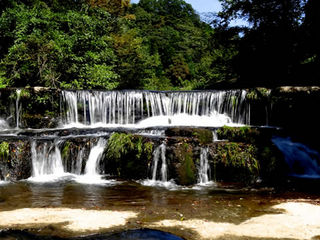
(128,156)
(235,162)
(39,121)
(4,151)
(15,160)
(239,134)
(201,135)
(273,168)
(185,167)
(70,151)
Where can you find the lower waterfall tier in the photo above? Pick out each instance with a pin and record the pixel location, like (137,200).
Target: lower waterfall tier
(185,156)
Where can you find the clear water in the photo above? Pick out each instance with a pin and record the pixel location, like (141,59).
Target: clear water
(219,203)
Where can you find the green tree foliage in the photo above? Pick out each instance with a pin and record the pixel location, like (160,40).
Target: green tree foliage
(70,49)
(268,51)
(309,43)
(117,7)
(157,44)
(174,36)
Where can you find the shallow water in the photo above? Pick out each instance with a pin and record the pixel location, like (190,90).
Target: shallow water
(214,202)
(225,203)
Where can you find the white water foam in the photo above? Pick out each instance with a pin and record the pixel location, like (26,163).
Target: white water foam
(170,185)
(3,124)
(159,179)
(3,182)
(92,175)
(46,162)
(141,109)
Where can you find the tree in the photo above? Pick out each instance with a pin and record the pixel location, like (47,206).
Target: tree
(309,42)
(117,7)
(267,52)
(63,48)
(173,31)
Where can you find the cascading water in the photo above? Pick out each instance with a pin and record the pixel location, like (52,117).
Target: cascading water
(47,163)
(91,172)
(156,156)
(94,158)
(164,167)
(160,152)
(204,167)
(214,136)
(46,160)
(76,167)
(302,160)
(148,109)
(18,107)
(3,124)
(159,173)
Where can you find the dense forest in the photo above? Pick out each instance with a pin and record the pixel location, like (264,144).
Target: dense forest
(157,44)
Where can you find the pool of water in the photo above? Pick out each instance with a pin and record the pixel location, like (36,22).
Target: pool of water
(224,203)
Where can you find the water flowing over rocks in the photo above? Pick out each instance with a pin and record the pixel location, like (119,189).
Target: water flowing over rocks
(104,161)
(159,136)
(124,155)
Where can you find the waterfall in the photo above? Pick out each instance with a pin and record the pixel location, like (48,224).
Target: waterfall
(95,156)
(156,156)
(3,124)
(46,159)
(215,136)
(47,164)
(77,165)
(164,168)
(148,108)
(160,152)
(204,167)
(302,160)
(18,107)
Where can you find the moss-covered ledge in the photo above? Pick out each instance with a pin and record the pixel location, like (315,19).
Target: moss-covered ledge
(128,156)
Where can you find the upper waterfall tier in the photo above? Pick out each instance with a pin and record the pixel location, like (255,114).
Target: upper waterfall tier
(150,109)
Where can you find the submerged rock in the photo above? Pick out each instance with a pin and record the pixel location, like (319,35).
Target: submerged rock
(140,234)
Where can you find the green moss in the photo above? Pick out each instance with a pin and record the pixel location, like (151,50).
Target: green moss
(148,150)
(186,168)
(119,144)
(66,150)
(129,155)
(236,162)
(239,156)
(4,150)
(239,134)
(203,135)
(258,94)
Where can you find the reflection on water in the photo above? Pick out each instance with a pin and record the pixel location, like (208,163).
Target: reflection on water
(214,202)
